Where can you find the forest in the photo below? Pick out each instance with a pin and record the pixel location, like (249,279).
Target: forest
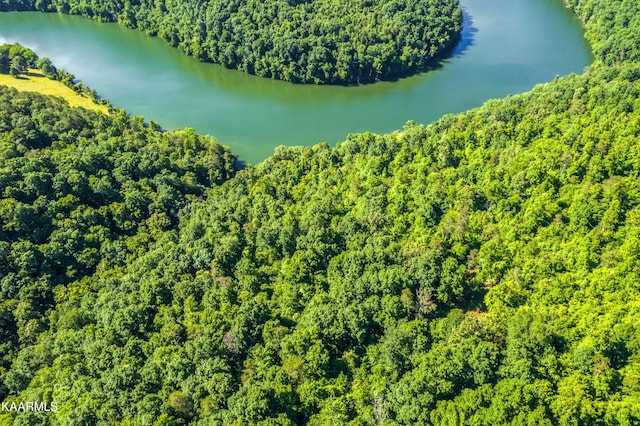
(315,41)
(480,270)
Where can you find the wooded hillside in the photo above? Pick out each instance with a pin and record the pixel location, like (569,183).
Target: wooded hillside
(313,41)
(483,269)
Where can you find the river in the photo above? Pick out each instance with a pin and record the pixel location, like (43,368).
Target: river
(507,47)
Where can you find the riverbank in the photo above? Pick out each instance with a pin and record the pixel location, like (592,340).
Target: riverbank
(316,42)
(529,42)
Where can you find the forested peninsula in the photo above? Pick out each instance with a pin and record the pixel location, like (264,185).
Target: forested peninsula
(314,41)
(483,269)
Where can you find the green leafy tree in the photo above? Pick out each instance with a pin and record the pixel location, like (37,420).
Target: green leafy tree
(18,66)
(5,62)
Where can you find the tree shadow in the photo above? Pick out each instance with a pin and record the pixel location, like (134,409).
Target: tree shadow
(467,35)
(34,74)
(239,164)
(456,50)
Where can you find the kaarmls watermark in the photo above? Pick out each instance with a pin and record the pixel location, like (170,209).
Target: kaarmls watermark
(29,406)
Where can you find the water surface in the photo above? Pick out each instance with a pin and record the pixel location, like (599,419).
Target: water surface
(506,48)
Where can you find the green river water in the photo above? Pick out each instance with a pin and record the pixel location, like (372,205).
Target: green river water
(507,47)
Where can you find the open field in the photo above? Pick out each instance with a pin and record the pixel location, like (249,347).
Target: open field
(35,81)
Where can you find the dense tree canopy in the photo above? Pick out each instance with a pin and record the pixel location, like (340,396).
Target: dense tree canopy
(312,41)
(480,270)
(82,191)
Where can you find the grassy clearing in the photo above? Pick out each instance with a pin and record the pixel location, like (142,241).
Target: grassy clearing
(35,81)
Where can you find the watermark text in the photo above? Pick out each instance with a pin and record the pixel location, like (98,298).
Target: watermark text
(29,406)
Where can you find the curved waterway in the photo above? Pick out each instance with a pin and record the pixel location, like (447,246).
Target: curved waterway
(507,47)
